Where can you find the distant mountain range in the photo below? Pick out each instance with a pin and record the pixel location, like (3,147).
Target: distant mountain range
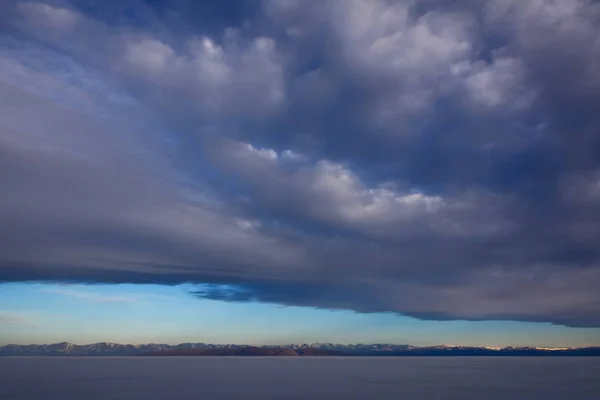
(315,349)
(250,351)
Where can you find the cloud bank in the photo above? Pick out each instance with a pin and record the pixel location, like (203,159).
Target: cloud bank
(430,158)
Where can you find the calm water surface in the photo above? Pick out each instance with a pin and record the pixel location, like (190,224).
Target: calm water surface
(299,378)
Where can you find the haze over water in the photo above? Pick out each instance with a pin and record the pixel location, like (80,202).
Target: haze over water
(465,378)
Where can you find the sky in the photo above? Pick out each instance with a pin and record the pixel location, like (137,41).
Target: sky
(405,171)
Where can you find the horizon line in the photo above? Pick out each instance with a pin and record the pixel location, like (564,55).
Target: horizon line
(309,345)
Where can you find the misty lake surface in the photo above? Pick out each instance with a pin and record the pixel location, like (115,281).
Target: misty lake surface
(230,378)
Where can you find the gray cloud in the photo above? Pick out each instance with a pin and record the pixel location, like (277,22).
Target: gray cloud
(435,159)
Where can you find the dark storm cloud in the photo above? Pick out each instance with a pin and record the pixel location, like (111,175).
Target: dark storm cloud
(436,159)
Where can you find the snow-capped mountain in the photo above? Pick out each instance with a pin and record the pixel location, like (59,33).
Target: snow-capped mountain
(378,349)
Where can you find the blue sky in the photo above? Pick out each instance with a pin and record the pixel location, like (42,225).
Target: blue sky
(43,313)
(225,169)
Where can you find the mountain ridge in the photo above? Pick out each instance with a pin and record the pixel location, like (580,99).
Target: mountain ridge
(319,349)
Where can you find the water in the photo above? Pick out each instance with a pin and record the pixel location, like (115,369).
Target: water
(299,378)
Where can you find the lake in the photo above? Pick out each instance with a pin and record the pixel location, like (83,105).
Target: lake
(230,378)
